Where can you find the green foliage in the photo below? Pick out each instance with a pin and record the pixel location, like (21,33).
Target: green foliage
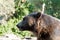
(21,10)
(52,6)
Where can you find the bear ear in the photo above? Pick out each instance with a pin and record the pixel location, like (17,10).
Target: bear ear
(38,14)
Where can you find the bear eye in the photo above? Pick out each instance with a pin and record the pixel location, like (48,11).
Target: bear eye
(23,18)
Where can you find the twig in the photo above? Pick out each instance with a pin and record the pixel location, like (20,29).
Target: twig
(43,7)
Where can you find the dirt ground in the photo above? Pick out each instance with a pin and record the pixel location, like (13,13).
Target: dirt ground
(14,37)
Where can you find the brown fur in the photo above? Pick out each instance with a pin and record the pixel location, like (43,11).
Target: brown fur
(45,27)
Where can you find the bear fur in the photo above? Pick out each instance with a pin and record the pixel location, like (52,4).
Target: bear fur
(44,26)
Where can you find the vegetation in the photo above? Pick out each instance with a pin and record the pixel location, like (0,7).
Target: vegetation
(23,8)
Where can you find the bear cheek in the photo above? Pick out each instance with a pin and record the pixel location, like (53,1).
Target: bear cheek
(31,22)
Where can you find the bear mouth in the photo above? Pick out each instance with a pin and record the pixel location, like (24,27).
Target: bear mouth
(23,28)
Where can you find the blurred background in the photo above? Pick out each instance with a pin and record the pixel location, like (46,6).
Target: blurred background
(12,12)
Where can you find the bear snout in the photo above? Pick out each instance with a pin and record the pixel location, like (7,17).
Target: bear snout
(18,26)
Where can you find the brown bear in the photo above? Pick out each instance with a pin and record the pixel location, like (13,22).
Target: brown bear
(44,26)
